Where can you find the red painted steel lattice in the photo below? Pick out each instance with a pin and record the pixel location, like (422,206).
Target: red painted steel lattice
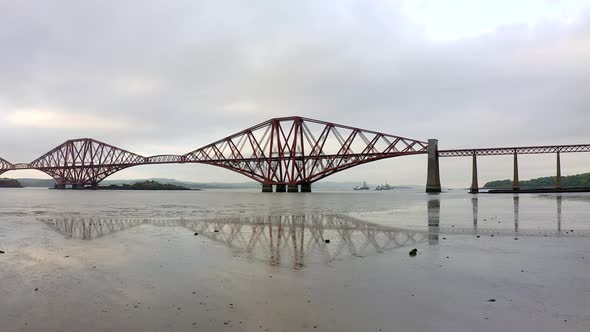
(5,166)
(85,161)
(296,150)
(290,150)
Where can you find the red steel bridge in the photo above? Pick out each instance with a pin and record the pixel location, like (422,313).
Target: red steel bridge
(289,153)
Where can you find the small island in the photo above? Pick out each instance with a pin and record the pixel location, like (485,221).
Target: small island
(146,185)
(10,183)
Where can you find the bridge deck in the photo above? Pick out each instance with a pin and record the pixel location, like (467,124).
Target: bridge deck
(513,150)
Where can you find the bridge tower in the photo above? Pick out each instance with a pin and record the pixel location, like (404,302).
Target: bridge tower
(433,176)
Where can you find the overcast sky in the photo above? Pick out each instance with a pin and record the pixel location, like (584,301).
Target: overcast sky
(168,76)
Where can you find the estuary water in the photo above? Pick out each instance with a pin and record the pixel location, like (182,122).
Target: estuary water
(240,260)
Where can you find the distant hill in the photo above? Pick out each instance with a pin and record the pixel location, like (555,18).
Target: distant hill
(146,185)
(578,180)
(9,183)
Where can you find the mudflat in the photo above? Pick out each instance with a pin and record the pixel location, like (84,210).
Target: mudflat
(350,270)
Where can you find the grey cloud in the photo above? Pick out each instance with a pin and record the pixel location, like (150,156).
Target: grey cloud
(182,74)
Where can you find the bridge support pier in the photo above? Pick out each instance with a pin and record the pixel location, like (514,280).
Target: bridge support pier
(292,188)
(266,188)
(59,186)
(433,176)
(94,186)
(306,187)
(280,188)
(558,176)
(474,185)
(515,182)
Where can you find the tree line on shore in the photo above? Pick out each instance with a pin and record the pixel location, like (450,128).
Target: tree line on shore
(578,180)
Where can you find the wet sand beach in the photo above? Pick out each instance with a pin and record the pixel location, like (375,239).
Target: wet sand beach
(243,261)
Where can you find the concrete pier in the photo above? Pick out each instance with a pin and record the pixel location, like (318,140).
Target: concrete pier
(558,177)
(306,187)
(266,188)
(281,188)
(474,185)
(292,188)
(515,182)
(433,176)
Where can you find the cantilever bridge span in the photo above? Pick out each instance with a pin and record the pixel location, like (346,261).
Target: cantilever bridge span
(288,153)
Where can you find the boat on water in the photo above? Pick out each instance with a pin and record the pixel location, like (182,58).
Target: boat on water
(383,187)
(364,187)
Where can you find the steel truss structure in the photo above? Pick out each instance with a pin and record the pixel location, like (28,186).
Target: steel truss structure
(281,151)
(514,150)
(289,150)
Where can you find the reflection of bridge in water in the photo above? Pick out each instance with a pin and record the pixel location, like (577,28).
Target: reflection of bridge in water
(278,240)
(516,230)
(299,240)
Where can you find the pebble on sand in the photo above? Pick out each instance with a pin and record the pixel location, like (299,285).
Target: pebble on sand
(413,252)
(492,300)
(327,241)
(196,234)
(2,252)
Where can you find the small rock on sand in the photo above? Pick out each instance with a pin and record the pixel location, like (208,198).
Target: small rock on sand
(413,252)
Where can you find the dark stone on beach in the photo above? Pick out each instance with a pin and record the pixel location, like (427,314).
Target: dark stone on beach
(492,300)
(516,238)
(2,252)
(327,241)
(492,235)
(216,231)
(36,289)
(413,252)
(477,236)
(196,234)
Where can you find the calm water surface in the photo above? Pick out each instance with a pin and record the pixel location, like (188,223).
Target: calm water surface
(247,261)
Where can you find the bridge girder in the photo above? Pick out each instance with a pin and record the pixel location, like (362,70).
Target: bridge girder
(296,150)
(289,150)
